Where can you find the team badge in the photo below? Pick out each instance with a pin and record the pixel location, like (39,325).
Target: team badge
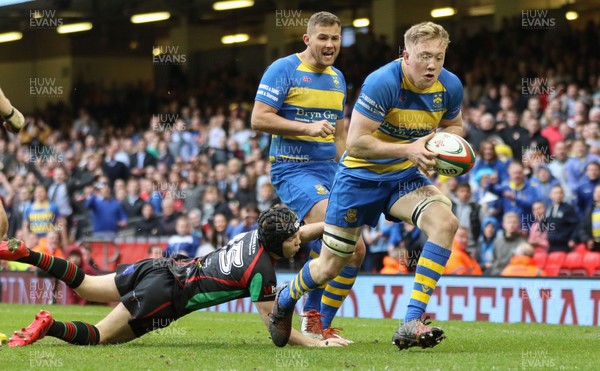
(306,79)
(351,215)
(425,289)
(437,100)
(321,190)
(336,81)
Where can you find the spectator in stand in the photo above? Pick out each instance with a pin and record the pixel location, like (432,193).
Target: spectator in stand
(245,194)
(590,225)
(164,155)
(155,252)
(41,216)
(169,218)
(515,136)
(394,263)
(75,256)
(140,159)
(561,222)
(222,183)
(193,189)
(220,230)
(522,263)
(481,131)
(268,198)
(460,261)
(516,195)
(85,125)
(112,168)
(488,159)
(184,242)
(51,246)
(132,204)
(552,132)
(577,163)
(543,182)
(538,233)
(249,217)
(468,212)
(506,243)
(16,209)
(195,216)
(412,240)
(484,254)
(535,138)
(558,167)
(107,213)
(585,190)
(378,243)
(147,224)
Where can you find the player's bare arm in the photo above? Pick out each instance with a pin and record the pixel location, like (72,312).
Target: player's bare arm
(296,338)
(362,144)
(12,118)
(340,139)
(265,118)
(309,232)
(454,126)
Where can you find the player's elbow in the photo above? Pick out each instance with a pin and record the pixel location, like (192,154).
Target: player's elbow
(257,122)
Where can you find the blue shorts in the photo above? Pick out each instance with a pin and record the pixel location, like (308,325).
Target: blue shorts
(354,202)
(300,185)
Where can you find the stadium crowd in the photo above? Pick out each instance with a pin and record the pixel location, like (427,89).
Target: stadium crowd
(184,166)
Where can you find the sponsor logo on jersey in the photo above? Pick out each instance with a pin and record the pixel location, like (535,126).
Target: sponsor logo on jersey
(270,290)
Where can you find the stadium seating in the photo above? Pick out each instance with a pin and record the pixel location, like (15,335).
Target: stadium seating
(573,265)
(554,262)
(540,258)
(591,263)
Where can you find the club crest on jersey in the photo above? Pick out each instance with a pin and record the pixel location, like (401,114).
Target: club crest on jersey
(321,190)
(306,79)
(437,100)
(351,215)
(336,81)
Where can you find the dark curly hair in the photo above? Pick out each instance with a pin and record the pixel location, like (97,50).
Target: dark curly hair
(275,226)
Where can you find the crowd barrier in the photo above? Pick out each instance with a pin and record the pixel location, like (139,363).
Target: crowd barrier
(493,299)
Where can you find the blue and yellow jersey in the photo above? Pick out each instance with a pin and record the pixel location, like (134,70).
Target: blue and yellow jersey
(41,217)
(405,112)
(305,94)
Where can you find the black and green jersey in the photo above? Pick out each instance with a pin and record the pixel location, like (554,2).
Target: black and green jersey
(241,269)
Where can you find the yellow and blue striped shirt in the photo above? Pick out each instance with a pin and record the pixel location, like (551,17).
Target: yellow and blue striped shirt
(406,113)
(305,94)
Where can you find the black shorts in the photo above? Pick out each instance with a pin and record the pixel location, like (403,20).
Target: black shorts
(149,291)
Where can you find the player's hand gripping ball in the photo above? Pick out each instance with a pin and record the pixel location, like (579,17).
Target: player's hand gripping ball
(455,155)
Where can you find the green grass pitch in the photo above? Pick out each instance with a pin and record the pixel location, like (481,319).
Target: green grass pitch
(235,341)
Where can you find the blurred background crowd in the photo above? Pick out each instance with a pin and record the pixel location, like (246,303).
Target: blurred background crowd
(182,166)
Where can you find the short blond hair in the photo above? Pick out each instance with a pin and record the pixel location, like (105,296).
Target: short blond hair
(322,19)
(425,31)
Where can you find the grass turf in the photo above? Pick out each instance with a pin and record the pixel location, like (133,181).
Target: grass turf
(239,341)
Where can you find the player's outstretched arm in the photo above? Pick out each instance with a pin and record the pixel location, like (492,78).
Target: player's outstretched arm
(296,338)
(362,144)
(312,231)
(265,118)
(3,221)
(12,118)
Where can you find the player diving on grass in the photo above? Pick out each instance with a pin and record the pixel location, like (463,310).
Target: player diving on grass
(300,101)
(398,110)
(155,292)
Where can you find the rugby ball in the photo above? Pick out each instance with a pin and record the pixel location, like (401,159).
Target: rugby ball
(455,155)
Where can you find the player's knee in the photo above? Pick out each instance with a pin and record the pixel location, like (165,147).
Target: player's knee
(340,243)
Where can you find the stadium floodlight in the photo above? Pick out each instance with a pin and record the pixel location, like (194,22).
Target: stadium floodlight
(234,39)
(361,22)
(232,4)
(10,36)
(74,27)
(571,15)
(150,17)
(443,12)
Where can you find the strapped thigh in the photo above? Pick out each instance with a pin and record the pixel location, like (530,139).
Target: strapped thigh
(339,242)
(417,212)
